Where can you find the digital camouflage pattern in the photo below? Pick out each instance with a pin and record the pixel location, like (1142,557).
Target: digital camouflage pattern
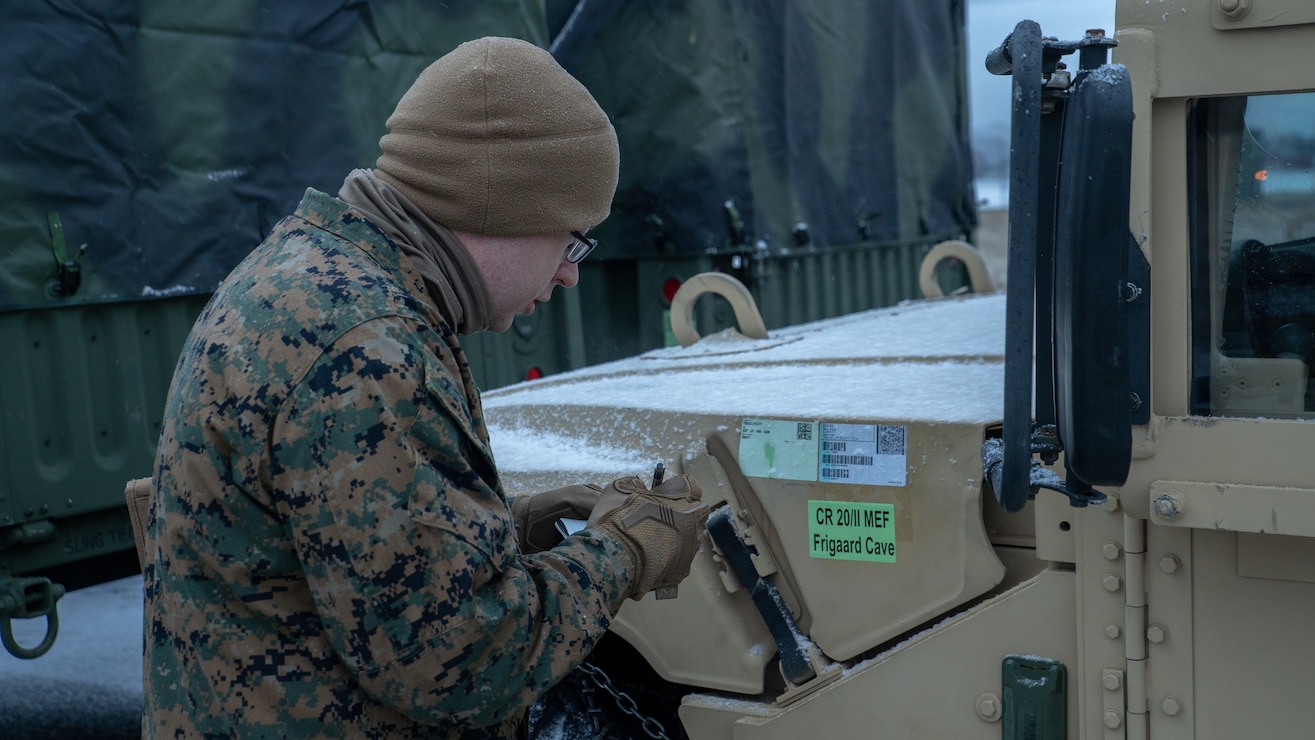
(332,553)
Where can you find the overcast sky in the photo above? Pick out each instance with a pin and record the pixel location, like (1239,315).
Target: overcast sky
(989,21)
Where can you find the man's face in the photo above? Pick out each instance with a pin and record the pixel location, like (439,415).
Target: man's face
(521,271)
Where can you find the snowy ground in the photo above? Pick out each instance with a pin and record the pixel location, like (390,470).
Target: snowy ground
(90,683)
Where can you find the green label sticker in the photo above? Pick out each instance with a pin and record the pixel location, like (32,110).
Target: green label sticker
(770,448)
(849,530)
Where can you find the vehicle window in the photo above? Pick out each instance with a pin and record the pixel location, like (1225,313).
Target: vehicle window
(1252,194)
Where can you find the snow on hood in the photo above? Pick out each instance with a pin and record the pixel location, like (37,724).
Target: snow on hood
(932,361)
(928,359)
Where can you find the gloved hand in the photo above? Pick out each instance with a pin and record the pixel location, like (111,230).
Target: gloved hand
(536,514)
(660,528)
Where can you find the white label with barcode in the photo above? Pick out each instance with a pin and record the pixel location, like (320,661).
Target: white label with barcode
(863,454)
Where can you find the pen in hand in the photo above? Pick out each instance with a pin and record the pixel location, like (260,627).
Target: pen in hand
(668,592)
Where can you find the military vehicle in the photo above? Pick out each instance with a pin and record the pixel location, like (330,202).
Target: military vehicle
(914,536)
(148,145)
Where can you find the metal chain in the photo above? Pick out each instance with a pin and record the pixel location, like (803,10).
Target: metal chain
(624,701)
(592,711)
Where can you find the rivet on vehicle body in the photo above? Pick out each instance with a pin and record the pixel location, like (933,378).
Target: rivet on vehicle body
(1112,582)
(1111,503)
(989,707)
(1169,505)
(1235,10)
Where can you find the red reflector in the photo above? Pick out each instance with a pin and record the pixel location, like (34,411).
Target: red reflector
(669,288)
(534,373)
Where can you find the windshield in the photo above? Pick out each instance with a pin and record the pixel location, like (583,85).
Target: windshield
(1252,184)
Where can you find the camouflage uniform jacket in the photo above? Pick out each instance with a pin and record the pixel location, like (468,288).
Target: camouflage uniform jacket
(331,554)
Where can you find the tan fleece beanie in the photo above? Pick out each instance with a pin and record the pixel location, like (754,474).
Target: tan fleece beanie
(496,138)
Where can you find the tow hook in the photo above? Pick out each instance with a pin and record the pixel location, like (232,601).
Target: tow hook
(28,598)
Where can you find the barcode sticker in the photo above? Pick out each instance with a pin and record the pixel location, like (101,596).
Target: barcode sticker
(863,454)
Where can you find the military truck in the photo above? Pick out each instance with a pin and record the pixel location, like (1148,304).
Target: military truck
(913,537)
(148,145)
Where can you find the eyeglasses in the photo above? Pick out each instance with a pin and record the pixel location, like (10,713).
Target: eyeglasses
(580,248)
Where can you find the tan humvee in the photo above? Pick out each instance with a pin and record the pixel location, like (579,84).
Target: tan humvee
(875,583)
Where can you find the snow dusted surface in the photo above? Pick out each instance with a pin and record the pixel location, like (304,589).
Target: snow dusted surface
(90,683)
(938,391)
(964,329)
(549,452)
(927,360)
(99,641)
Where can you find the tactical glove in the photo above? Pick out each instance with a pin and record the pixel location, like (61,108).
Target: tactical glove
(659,528)
(536,515)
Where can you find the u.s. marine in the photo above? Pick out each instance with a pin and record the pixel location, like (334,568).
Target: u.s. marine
(329,552)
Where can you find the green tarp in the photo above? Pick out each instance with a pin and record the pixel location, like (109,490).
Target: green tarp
(169,136)
(846,116)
